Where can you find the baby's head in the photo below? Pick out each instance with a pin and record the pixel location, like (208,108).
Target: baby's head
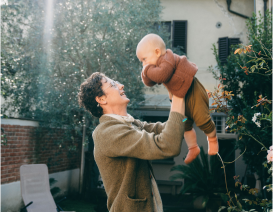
(150,48)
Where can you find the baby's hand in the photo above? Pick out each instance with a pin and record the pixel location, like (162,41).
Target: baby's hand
(144,69)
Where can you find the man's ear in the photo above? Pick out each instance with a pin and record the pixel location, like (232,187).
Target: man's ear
(101,100)
(158,52)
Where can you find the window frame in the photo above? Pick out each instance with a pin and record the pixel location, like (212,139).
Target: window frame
(174,22)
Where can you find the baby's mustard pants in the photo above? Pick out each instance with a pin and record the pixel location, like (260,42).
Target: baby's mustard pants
(197,108)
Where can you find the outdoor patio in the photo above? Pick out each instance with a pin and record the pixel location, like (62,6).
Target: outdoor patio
(50,48)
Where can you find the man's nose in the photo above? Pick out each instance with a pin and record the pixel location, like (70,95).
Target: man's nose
(120,86)
(144,63)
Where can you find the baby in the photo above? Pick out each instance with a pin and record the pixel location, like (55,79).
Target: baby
(161,65)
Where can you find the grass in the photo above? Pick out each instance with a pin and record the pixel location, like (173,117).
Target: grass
(93,202)
(97,203)
(77,205)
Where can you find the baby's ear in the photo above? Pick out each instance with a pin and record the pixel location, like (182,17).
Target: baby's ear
(158,52)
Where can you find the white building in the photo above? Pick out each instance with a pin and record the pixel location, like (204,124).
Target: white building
(197,25)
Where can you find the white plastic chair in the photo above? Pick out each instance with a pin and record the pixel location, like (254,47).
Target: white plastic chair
(35,188)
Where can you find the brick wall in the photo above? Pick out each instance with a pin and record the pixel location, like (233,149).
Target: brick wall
(25,146)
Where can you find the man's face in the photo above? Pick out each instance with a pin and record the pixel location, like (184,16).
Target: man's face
(147,55)
(115,95)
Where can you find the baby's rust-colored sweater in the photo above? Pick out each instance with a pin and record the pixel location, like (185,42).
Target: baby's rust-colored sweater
(174,71)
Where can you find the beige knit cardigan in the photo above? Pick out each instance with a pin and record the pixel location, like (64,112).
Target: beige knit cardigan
(122,154)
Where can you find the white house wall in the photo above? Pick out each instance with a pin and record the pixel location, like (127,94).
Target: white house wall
(202,16)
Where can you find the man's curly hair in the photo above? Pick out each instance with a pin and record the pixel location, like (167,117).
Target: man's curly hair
(89,90)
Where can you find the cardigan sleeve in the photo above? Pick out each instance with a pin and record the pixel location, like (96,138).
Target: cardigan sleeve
(116,139)
(151,127)
(161,73)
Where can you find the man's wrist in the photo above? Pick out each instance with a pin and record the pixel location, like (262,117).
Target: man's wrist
(178,105)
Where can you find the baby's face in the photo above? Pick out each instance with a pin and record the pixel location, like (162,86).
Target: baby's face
(147,55)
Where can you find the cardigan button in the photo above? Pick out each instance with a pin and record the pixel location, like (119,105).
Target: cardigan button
(150,176)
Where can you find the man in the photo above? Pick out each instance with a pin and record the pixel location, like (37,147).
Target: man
(124,146)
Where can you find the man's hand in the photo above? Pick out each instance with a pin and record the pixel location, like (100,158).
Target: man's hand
(170,94)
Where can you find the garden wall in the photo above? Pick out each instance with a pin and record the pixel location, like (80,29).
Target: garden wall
(25,146)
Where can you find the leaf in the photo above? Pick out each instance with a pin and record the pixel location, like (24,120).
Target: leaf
(224,197)
(239,51)
(252,69)
(221,208)
(239,205)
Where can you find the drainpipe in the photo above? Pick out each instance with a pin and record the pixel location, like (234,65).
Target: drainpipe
(82,156)
(228,4)
(265,5)
(265,24)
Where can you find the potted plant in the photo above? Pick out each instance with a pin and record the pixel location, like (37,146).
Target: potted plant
(204,179)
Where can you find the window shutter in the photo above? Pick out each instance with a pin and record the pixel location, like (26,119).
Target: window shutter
(232,41)
(223,49)
(179,34)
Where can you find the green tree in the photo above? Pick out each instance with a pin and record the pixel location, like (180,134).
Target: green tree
(248,76)
(9,26)
(63,43)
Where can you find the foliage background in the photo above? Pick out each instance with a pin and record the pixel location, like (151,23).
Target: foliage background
(248,76)
(50,47)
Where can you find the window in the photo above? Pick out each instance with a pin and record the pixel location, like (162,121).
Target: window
(224,47)
(178,31)
(179,35)
(220,124)
(168,25)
